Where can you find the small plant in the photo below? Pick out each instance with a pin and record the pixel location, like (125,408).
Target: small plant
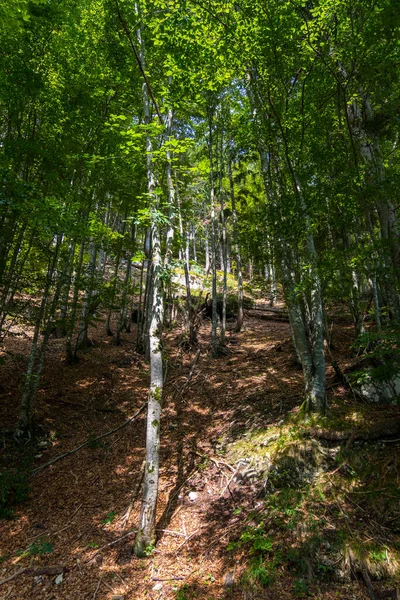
(260,572)
(183,593)
(109,518)
(37,548)
(379,555)
(238,510)
(149,550)
(13,490)
(300,588)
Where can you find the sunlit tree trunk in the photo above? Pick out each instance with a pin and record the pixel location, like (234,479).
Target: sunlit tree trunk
(146,534)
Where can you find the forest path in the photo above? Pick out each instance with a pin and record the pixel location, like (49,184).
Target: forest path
(77,512)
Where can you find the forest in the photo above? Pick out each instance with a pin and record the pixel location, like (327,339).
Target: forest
(199,299)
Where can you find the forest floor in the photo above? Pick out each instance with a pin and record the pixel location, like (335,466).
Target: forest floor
(223,531)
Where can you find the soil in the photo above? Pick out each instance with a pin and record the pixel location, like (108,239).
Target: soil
(82,510)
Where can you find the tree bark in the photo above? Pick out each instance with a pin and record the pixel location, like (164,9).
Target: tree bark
(239,320)
(146,535)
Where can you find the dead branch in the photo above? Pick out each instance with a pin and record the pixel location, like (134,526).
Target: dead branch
(189,377)
(50,570)
(100,437)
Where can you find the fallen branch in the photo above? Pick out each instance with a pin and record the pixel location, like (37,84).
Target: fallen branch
(277,314)
(55,570)
(100,437)
(189,377)
(374,432)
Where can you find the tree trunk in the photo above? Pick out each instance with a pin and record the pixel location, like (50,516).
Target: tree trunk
(146,535)
(214,341)
(239,320)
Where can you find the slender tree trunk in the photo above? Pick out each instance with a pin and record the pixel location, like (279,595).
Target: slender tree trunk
(214,341)
(70,355)
(124,302)
(139,324)
(146,535)
(82,341)
(239,320)
(61,328)
(35,362)
(194,244)
(206,250)
(192,332)
(224,247)
(109,331)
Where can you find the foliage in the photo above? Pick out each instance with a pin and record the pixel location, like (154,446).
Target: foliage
(14,489)
(39,547)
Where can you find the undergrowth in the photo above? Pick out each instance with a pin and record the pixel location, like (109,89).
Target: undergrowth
(329,511)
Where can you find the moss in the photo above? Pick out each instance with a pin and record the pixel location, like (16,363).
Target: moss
(157,394)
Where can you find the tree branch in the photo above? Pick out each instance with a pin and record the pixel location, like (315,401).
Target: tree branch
(100,437)
(139,62)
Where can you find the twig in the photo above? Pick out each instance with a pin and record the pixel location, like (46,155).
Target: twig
(229,482)
(189,538)
(11,577)
(189,377)
(169,579)
(100,437)
(69,522)
(107,585)
(9,592)
(97,588)
(111,544)
(171,533)
(216,462)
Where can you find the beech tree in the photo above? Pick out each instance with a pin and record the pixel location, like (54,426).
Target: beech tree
(136,136)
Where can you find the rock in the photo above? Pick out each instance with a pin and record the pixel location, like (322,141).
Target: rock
(157,587)
(269,439)
(375,390)
(59,579)
(229,579)
(193,496)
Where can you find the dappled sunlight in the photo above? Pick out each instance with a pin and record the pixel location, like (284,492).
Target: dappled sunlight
(233,417)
